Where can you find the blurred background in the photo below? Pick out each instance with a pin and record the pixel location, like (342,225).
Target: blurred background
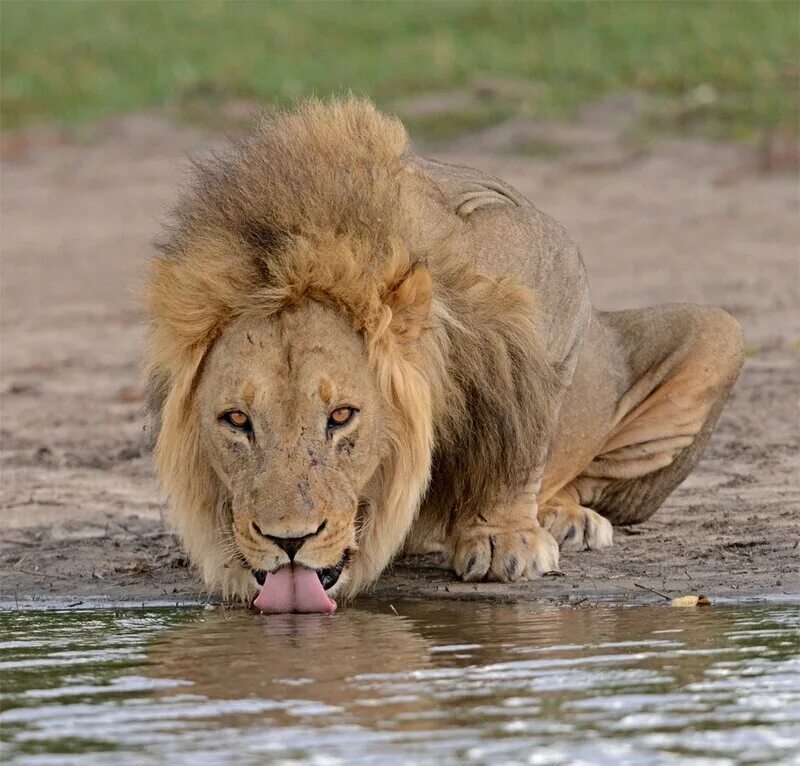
(664,135)
(720,69)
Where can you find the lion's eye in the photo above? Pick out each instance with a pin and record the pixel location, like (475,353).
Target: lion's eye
(237,419)
(341,416)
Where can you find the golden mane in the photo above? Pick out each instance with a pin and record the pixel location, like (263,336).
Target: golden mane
(310,207)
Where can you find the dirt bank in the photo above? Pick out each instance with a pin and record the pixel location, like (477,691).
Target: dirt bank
(679,220)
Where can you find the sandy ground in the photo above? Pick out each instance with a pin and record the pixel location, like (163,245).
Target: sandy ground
(672,220)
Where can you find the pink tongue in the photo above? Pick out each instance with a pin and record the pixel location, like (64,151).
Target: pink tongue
(293,589)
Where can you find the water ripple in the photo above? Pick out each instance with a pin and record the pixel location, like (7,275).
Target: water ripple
(437,683)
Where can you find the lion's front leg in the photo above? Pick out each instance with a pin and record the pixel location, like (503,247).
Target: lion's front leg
(504,543)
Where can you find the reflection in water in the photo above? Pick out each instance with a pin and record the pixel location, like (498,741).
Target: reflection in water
(439,682)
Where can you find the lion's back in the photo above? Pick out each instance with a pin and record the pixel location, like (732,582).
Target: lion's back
(503,235)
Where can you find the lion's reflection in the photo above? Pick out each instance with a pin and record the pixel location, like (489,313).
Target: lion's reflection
(238,654)
(368,665)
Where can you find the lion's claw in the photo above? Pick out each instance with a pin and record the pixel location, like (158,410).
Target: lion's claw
(486,552)
(576,528)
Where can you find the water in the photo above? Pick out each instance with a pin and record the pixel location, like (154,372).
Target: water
(437,683)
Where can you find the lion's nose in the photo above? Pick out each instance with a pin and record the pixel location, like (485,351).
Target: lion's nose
(290,545)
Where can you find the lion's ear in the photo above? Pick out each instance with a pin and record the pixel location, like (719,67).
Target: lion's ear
(410,303)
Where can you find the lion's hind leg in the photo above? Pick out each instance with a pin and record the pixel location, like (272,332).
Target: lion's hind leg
(575,527)
(684,361)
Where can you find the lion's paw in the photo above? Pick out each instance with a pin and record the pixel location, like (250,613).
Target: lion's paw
(576,528)
(506,555)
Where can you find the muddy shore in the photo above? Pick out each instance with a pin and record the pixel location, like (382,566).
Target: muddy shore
(681,220)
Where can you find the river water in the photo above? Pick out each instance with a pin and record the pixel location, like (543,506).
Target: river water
(409,683)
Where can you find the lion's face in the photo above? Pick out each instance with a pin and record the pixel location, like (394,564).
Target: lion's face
(292,423)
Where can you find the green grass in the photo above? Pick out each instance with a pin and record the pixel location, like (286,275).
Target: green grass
(728,68)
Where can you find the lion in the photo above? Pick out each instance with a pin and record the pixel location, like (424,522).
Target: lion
(356,351)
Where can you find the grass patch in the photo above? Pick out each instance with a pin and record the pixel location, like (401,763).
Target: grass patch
(544,148)
(728,68)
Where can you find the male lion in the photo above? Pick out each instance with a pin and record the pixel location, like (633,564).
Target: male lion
(355,350)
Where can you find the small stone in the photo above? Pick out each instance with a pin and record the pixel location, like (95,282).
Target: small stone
(690,601)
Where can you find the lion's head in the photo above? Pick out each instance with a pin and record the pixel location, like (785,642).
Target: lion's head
(293,421)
